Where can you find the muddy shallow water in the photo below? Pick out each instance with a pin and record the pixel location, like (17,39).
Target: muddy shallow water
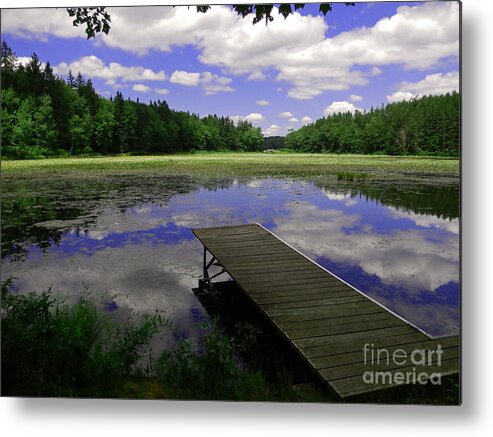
(127,238)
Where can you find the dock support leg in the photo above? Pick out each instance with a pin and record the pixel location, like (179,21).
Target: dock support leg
(205,275)
(205,281)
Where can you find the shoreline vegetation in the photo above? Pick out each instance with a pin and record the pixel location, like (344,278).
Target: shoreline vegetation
(51,348)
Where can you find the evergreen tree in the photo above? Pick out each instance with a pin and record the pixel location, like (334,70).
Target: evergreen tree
(80,126)
(104,126)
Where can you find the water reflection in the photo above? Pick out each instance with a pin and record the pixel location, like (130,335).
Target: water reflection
(130,239)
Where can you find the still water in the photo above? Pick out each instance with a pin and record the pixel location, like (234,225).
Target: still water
(127,238)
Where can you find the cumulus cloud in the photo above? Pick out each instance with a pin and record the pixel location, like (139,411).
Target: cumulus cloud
(286,114)
(253,117)
(162,91)
(432,84)
(262,102)
(210,83)
(141,88)
(297,49)
(293,120)
(307,120)
(375,71)
(213,83)
(23,60)
(39,24)
(257,75)
(94,67)
(185,78)
(272,131)
(339,107)
(355,98)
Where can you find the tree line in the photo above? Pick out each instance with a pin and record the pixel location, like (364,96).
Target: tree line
(428,125)
(44,114)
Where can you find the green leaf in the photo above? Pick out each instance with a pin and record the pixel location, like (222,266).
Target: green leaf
(285,10)
(325,7)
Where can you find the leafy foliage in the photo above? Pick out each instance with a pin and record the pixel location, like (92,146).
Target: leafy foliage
(96,19)
(50,348)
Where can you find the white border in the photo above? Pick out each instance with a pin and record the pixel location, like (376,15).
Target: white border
(20,417)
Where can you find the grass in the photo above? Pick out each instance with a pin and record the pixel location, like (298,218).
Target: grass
(246,164)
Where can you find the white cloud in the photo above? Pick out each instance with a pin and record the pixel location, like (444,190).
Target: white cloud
(162,91)
(355,98)
(257,75)
(185,78)
(23,60)
(253,117)
(211,83)
(415,37)
(262,102)
(307,120)
(39,24)
(92,66)
(293,120)
(141,88)
(340,107)
(432,84)
(286,114)
(272,131)
(400,95)
(375,71)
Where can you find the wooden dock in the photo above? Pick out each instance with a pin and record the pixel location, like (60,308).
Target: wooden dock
(351,342)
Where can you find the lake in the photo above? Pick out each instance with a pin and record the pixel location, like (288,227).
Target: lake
(126,238)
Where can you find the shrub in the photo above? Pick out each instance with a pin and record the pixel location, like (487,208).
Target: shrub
(51,348)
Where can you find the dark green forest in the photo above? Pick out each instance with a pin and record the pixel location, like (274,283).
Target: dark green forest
(423,126)
(47,115)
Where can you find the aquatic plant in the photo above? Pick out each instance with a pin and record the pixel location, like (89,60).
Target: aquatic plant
(350,176)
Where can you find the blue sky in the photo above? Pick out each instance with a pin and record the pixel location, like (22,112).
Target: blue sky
(279,76)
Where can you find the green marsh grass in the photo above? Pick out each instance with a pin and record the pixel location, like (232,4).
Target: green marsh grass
(350,176)
(244,164)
